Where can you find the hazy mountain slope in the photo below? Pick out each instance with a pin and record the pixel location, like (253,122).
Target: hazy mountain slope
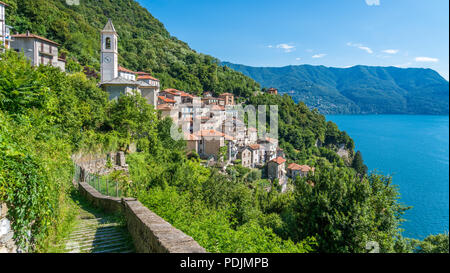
(359,89)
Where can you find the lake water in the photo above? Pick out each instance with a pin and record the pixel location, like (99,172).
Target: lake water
(415,151)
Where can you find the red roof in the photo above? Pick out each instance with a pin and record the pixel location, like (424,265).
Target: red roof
(188,136)
(123,69)
(147,77)
(303,168)
(279,160)
(140,73)
(164,107)
(3,3)
(212,133)
(166,99)
(254,146)
(218,108)
(225,94)
(29,35)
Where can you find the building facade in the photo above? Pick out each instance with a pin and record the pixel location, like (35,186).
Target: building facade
(39,50)
(276,169)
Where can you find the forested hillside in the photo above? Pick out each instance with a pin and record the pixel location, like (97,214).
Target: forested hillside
(358,89)
(144,43)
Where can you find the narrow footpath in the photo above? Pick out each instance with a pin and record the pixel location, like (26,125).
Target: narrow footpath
(98,232)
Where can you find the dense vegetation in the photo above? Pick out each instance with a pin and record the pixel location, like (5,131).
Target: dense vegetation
(144,43)
(359,89)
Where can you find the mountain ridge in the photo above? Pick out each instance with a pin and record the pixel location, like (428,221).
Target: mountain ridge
(358,89)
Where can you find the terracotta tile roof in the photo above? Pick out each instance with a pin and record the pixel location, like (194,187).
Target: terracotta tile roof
(164,107)
(268,139)
(123,69)
(254,147)
(279,160)
(303,168)
(3,3)
(29,35)
(225,94)
(188,136)
(218,108)
(141,73)
(166,99)
(147,77)
(213,133)
(176,92)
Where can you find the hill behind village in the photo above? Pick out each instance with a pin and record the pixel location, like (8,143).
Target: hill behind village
(144,43)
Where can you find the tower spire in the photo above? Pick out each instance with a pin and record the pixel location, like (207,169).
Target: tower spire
(109,27)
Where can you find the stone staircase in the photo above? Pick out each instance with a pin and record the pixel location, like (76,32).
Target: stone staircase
(97,232)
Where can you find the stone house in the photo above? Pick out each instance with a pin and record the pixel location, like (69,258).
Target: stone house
(245,155)
(39,50)
(268,149)
(228,98)
(210,142)
(294,170)
(255,149)
(272,91)
(276,168)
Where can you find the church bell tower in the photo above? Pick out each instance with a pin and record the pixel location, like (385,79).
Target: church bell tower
(109,53)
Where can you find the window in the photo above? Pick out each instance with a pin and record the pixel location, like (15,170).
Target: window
(108,43)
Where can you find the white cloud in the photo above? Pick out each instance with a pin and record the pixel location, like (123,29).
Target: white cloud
(426,60)
(319,56)
(362,47)
(373,2)
(287,48)
(391,51)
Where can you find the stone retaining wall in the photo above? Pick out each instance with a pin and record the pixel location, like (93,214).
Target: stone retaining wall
(150,233)
(7,244)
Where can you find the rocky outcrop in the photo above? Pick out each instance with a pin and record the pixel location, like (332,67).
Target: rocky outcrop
(7,244)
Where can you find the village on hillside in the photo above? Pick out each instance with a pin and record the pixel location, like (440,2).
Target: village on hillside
(210,124)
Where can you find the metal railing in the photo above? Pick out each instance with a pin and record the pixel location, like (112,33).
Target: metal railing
(102,184)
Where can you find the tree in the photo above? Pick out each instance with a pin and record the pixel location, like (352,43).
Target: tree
(432,244)
(358,164)
(344,213)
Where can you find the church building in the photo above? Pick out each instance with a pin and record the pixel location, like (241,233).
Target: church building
(117,80)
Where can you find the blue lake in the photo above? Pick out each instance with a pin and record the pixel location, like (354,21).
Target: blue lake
(415,151)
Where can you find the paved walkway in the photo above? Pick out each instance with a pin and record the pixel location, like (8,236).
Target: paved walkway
(97,232)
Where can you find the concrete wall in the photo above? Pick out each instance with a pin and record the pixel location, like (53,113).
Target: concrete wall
(150,233)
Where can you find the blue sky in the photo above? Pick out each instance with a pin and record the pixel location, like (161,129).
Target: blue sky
(338,33)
